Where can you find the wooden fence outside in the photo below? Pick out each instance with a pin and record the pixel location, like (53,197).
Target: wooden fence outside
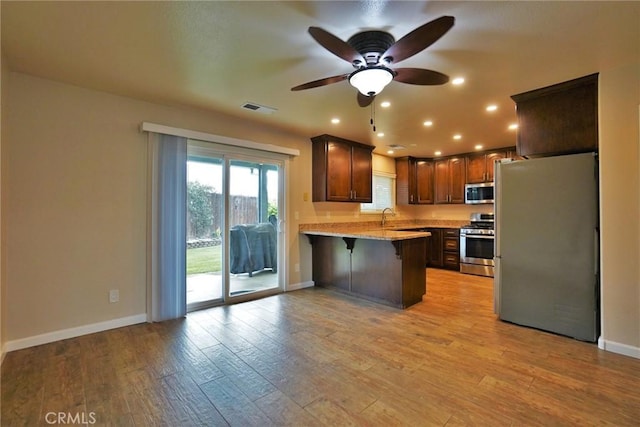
(244,210)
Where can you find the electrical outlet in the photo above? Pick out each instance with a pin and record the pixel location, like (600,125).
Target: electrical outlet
(114,295)
(296,267)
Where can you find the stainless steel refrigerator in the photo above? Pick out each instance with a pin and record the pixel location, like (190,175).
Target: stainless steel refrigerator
(547,244)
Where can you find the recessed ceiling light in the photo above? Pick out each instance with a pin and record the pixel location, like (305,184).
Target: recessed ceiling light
(457,136)
(492,107)
(335,120)
(513,126)
(380,134)
(428,123)
(457,81)
(389,151)
(385,104)
(437,153)
(478,147)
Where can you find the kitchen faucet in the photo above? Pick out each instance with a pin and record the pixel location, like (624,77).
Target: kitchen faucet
(384,218)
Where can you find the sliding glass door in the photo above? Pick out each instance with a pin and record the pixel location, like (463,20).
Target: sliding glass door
(253,226)
(233,235)
(205,215)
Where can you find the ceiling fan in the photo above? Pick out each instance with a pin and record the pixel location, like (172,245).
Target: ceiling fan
(373,52)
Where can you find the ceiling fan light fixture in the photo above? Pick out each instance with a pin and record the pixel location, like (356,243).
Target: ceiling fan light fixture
(371,81)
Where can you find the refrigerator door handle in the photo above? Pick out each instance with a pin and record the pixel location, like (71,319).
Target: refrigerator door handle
(496,286)
(596,250)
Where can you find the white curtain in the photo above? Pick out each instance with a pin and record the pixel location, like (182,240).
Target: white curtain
(166,230)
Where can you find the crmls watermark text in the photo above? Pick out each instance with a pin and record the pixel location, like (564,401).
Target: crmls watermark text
(84,418)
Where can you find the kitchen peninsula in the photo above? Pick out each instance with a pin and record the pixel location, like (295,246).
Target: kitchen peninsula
(385,265)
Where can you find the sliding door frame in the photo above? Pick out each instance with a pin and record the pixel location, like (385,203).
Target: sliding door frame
(229,153)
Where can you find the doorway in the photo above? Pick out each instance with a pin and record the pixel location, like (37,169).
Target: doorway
(234,212)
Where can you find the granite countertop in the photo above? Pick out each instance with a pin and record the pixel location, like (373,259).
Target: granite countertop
(373,229)
(387,233)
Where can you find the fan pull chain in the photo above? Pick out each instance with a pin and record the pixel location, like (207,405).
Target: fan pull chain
(373,116)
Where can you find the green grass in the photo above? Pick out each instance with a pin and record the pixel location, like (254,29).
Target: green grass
(204,260)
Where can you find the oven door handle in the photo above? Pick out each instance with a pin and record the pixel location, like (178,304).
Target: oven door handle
(477,236)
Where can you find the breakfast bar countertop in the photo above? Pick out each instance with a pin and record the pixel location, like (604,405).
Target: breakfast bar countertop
(374,234)
(393,231)
(369,261)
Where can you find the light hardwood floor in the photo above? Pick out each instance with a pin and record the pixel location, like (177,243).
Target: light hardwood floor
(316,357)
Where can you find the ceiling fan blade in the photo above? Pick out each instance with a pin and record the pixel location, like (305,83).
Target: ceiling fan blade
(364,100)
(419,39)
(335,45)
(321,82)
(420,76)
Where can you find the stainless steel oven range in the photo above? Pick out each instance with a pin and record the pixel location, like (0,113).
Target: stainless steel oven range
(476,245)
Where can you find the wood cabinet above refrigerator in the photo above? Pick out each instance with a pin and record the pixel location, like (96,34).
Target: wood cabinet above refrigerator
(558,119)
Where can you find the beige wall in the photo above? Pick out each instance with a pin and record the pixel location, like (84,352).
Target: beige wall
(73,201)
(619,201)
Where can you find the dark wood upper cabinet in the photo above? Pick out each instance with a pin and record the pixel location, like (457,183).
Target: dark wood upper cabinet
(442,181)
(342,170)
(449,180)
(480,166)
(558,119)
(362,173)
(424,178)
(405,180)
(414,181)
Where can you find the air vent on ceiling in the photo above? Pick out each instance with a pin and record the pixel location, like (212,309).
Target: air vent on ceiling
(259,108)
(396,147)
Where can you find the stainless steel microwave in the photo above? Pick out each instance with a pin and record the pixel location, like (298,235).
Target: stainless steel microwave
(478,193)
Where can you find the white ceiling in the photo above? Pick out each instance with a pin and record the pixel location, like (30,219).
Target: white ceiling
(219,55)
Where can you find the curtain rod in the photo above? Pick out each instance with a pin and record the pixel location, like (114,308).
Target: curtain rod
(208,137)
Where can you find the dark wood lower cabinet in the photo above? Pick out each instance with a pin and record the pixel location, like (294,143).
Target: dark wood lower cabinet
(434,248)
(331,263)
(443,248)
(451,248)
(391,273)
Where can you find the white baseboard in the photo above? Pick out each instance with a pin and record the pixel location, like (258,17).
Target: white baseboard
(72,332)
(616,347)
(296,286)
